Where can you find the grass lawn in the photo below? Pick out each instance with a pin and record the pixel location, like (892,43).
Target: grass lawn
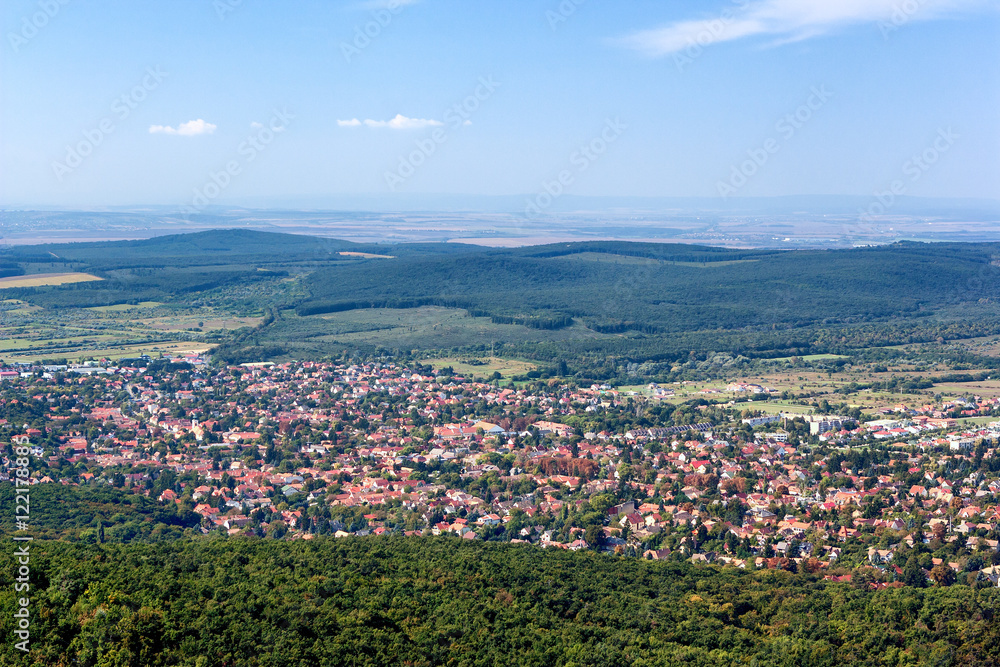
(774,407)
(978,420)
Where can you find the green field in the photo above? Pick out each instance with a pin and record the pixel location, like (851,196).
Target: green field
(979,421)
(485,367)
(32,333)
(774,407)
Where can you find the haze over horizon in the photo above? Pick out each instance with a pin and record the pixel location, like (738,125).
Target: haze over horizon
(251,105)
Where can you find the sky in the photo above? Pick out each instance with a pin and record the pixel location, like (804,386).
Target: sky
(190,103)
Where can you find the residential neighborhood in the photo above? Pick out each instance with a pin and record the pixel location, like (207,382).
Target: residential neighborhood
(298,449)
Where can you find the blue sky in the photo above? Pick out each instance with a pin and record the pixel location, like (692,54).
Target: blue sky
(143,102)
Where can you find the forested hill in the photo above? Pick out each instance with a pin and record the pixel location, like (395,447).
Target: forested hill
(668,288)
(213,247)
(632,300)
(444,601)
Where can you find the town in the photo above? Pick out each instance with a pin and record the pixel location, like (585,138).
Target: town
(292,450)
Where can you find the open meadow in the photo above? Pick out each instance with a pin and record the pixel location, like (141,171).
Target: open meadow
(484,366)
(31,333)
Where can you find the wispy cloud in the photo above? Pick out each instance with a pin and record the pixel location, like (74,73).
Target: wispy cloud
(188,129)
(789,21)
(400,122)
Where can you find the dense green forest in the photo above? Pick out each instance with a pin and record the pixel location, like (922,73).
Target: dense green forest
(104,513)
(677,288)
(577,303)
(181,266)
(409,601)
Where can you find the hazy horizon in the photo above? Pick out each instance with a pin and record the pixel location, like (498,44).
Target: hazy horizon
(782,222)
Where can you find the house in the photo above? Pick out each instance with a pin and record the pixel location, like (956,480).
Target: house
(489,428)
(634,521)
(744,387)
(454,432)
(546,427)
(879,556)
(992,573)
(624,508)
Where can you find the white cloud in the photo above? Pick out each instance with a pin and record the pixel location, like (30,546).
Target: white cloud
(255,125)
(789,21)
(400,122)
(188,129)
